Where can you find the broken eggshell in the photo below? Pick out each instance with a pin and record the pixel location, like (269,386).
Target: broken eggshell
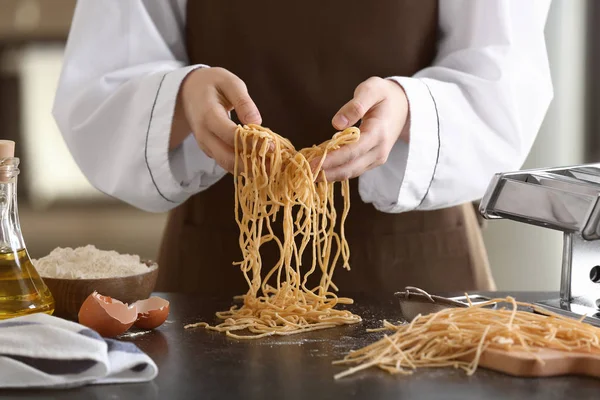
(152,312)
(107,316)
(111,317)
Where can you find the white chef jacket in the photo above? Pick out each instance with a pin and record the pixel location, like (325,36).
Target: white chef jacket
(474,112)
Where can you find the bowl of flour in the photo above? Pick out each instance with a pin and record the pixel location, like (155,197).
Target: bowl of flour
(72,274)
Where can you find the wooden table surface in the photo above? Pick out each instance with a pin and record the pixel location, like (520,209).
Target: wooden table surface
(201,364)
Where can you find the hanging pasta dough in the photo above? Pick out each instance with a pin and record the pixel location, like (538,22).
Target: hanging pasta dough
(275,182)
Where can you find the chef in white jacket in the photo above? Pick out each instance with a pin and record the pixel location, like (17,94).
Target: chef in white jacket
(446,93)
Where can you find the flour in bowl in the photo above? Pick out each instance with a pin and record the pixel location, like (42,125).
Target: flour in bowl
(88,262)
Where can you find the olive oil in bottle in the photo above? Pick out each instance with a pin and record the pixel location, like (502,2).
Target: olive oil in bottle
(22,291)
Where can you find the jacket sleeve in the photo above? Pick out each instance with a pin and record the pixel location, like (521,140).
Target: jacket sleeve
(124,62)
(474,112)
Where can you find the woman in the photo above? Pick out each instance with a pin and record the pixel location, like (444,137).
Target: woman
(446,94)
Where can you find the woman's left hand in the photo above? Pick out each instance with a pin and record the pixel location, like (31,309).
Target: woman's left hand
(383,107)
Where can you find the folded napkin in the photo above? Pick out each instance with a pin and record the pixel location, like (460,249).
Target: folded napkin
(40,350)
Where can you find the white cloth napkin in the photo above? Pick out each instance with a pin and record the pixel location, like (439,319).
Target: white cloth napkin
(40,350)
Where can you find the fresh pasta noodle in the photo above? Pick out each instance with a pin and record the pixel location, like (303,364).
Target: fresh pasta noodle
(456,337)
(274,181)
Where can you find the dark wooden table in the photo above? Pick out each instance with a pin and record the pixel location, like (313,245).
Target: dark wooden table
(200,364)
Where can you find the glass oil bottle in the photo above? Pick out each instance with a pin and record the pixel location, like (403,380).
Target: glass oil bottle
(22,291)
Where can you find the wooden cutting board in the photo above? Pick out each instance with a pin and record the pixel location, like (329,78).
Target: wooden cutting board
(556,363)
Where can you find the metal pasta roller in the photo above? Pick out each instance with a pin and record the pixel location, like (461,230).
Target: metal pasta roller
(564,199)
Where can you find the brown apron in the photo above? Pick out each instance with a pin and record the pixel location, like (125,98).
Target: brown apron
(301,62)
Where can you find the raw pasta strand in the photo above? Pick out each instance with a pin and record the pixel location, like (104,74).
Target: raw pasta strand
(458,336)
(281,184)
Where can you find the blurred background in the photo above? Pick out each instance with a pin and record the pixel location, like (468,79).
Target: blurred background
(58,207)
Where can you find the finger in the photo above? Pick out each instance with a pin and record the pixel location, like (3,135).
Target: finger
(218,150)
(256,143)
(350,152)
(205,149)
(355,168)
(371,127)
(217,122)
(236,94)
(366,96)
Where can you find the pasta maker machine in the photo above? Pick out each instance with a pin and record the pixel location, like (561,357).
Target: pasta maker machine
(564,199)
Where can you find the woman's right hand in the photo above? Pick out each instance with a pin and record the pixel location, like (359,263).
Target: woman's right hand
(205,98)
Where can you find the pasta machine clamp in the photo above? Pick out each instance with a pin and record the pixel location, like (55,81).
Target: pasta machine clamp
(564,199)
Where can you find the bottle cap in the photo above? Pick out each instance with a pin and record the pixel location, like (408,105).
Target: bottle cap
(7,149)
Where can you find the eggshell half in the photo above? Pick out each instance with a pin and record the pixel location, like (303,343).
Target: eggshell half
(107,316)
(152,312)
